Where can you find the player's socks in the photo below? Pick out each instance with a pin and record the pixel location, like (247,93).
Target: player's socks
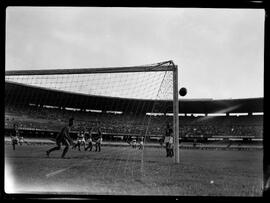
(64,152)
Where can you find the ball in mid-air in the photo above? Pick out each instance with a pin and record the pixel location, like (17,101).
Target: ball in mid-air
(183,91)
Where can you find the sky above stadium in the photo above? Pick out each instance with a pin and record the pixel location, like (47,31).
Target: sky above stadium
(219,52)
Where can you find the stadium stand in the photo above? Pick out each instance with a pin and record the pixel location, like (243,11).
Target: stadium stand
(31,117)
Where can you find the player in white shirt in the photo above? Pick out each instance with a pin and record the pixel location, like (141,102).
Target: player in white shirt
(170,146)
(80,140)
(141,144)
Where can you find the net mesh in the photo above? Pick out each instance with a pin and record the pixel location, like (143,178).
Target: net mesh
(139,85)
(132,124)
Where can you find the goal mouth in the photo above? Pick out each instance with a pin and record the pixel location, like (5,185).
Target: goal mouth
(141,91)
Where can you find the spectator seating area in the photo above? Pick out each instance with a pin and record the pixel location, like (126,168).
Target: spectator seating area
(190,126)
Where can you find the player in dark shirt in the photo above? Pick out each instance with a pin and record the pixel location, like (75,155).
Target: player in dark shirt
(99,140)
(168,133)
(63,138)
(89,141)
(14,136)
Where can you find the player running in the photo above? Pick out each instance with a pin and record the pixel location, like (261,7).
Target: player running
(63,138)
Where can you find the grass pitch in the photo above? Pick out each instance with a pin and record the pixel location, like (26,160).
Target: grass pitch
(126,171)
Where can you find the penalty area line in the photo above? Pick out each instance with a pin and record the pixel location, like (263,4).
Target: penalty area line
(57,172)
(64,169)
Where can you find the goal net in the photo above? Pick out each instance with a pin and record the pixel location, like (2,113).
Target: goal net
(131,105)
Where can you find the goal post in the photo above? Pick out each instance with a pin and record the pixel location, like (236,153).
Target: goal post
(176,112)
(58,75)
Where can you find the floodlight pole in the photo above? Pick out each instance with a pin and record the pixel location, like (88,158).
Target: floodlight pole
(175,113)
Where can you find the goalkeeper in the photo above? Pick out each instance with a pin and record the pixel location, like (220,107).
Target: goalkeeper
(63,138)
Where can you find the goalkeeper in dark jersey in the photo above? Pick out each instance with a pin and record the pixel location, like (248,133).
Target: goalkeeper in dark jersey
(63,138)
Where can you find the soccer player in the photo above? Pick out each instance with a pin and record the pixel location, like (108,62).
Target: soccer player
(63,138)
(133,143)
(141,144)
(170,146)
(21,140)
(161,141)
(89,141)
(80,141)
(99,140)
(129,139)
(168,133)
(14,136)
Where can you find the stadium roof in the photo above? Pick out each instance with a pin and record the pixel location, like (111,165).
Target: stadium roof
(24,94)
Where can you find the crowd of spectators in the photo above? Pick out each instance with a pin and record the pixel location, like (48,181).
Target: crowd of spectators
(53,118)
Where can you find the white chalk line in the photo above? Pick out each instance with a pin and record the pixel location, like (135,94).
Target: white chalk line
(64,169)
(57,172)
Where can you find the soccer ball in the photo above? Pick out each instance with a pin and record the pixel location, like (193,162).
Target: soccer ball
(183,91)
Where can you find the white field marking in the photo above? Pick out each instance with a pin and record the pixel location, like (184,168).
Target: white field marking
(57,172)
(64,169)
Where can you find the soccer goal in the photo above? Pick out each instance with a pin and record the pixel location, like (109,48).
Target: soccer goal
(127,102)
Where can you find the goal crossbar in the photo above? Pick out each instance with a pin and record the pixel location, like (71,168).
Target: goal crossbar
(92,70)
